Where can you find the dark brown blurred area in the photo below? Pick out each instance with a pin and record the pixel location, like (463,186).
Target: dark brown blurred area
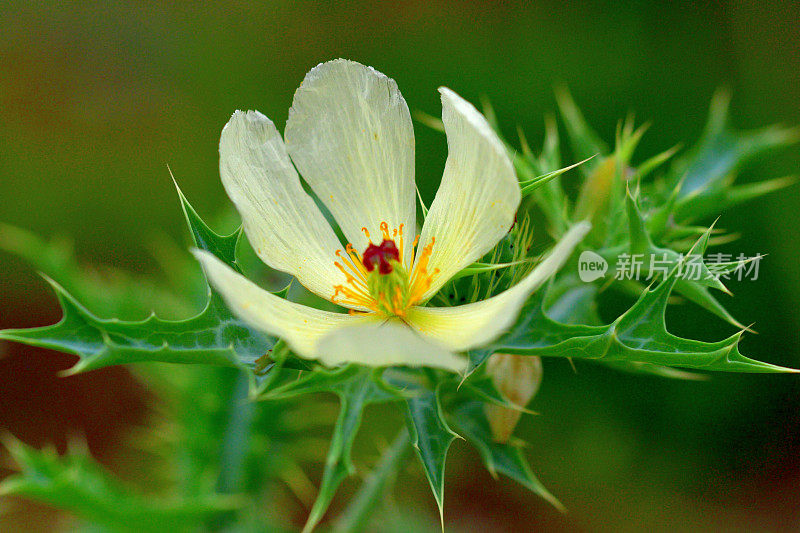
(45,410)
(97,98)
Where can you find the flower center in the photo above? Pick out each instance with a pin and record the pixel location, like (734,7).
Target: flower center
(378,280)
(381,257)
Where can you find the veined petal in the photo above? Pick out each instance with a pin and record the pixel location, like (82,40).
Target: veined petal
(331,338)
(282,222)
(300,326)
(349,133)
(385,342)
(472,325)
(478,197)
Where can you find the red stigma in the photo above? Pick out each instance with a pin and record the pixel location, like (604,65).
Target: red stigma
(380,256)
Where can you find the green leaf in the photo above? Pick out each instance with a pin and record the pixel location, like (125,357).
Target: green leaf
(573,303)
(550,199)
(642,244)
(701,296)
(76,483)
(634,367)
(479,268)
(357,515)
(652,164)
(505,459)
(355,391)
(528,186)
(706,203)
(639,335)
(431,437)
(585,141)
(291,383)
(482,387)
(222,246)
(721,150)
(214,336)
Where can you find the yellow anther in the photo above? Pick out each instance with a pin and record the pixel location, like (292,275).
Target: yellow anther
(385,230)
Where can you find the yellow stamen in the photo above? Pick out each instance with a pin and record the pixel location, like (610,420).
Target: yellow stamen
(421,280)
(399,234)
(357,291)
(385,230)
(397,303)
(353,297)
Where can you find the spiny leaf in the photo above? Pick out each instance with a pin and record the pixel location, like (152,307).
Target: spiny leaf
(76,483)
(633,367)
(650,165)
(721,150)
(639,335)
(665,259)
(585,141)
(355,392)
(359,511)
(222,246)
(482,387)
(550,199)
(575,304)
(214,336)
(320,379)
(701,296)
(211,337)
(705,203)
(478,268)
(505,459)
(431,437)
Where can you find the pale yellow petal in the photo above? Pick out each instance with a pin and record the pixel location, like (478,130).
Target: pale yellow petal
(349,133)
(473,325)
(300,326)
(282,222)
(386,342)
(478,197)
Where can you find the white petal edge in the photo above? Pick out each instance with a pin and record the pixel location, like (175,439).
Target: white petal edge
(478,197)
(473,325)
(283,224)
(300,326)
(350,134)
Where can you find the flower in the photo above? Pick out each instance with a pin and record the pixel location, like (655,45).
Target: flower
(349,134)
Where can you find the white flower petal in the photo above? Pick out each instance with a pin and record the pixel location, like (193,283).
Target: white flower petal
(282,222)
(331,338)
(478,197)
(385,342)
(472,325)
(349,133)
(300,326)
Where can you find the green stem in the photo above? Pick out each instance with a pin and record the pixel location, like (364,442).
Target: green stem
(356,515)
(234,445)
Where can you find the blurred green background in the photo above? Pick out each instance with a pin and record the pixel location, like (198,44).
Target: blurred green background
(97,99)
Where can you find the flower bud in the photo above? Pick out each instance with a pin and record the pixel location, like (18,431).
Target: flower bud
(517,378)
